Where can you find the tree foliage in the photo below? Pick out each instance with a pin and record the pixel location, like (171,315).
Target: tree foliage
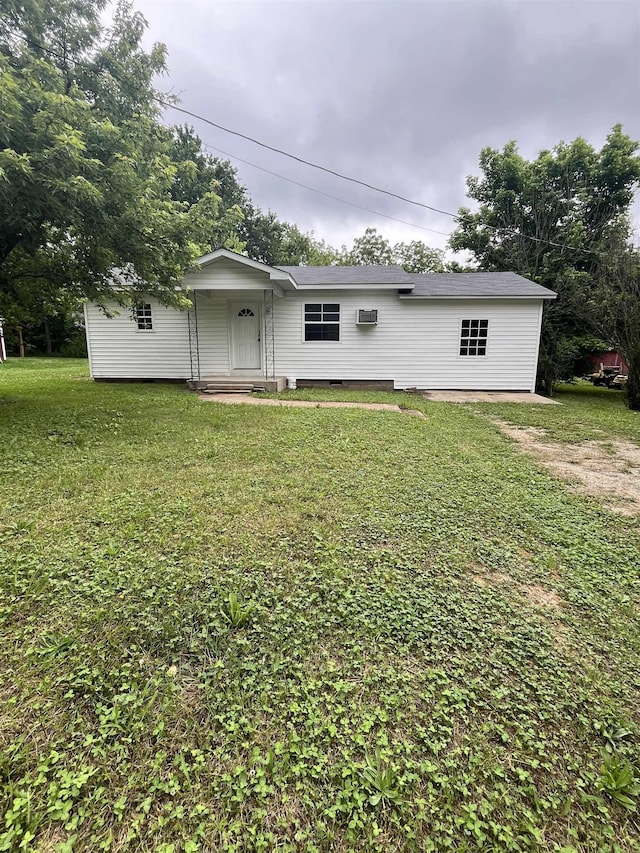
(373,248)
(549,219)
(269,239)
(86,170)
(614,303)
(263,235)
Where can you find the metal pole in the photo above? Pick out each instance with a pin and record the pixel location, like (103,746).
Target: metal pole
(269,336)
(194,348)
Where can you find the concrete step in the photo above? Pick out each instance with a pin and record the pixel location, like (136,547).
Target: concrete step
(222,384)
(234,386)
(226,390)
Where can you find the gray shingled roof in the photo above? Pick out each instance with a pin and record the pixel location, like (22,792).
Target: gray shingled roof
(374,274)
(426,284)
(477,284)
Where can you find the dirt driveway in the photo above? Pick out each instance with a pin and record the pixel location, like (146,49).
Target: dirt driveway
(608,470)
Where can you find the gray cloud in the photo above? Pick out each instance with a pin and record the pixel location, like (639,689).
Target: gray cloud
(400,94)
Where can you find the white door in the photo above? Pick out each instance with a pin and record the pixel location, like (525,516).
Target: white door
(245,335)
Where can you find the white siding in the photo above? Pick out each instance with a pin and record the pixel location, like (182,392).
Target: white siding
(416,343)
(228,275)
(119,351)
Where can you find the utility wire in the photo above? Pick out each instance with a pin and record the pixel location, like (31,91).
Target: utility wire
(455,216)
(321,192)
(312,165)
(305,162)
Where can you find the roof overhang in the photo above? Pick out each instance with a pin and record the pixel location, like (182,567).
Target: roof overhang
(410,297)
(357,286)
(276,275)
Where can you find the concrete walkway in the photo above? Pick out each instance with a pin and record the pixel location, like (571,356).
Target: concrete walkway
(249,399)
(431,396)
(487,397)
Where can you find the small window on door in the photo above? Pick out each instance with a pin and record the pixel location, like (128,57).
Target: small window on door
(142,315)
(246,312)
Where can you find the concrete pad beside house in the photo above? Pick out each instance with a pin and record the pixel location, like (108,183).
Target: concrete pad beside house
(488,397)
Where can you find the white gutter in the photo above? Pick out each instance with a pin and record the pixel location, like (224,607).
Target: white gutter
(410,297)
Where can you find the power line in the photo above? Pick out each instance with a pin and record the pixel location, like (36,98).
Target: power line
(321,192)
(247,162)
(240,159)
(305,162)
(321,168)
(352,180)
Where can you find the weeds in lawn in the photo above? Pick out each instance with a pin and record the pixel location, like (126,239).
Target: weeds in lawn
(612,733)
(617,781)
(380,780)
(210,614)
(235,613)
(54,644)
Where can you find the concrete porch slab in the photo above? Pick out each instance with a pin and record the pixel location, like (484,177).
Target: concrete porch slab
(276,383)
(487,397)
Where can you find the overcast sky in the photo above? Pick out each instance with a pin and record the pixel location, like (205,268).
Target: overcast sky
(400,94)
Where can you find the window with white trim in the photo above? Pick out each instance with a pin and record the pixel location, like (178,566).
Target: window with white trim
(473,337)
(321,321)
(142,314)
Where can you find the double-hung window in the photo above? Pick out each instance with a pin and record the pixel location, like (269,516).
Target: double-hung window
(142,315)
(473,337)
(321,321)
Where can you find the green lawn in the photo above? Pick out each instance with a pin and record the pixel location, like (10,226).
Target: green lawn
(234,628)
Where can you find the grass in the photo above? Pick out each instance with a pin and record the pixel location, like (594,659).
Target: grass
(238,628)
(587,413)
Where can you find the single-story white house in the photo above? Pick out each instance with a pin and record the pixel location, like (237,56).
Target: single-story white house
(370,326)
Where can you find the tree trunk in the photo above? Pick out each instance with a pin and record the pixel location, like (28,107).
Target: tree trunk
(47,337)
(633,385)
(20,342)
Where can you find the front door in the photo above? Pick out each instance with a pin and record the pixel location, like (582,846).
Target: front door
(245,336)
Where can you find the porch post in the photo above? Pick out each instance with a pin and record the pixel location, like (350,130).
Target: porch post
(194,348)
(269,335)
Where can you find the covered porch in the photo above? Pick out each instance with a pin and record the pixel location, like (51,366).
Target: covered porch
(232,337)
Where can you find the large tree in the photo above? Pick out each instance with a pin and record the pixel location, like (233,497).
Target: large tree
(614,303)
(86,169)
(263,234)
(550,219)
(269,239)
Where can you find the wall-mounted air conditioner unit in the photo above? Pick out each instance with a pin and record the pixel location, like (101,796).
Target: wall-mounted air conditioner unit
(366,318)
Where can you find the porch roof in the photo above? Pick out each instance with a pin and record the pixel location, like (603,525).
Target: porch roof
(279,279)
(237,272)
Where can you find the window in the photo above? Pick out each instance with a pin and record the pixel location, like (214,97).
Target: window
(321,322)
(473,337)
(142,314)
